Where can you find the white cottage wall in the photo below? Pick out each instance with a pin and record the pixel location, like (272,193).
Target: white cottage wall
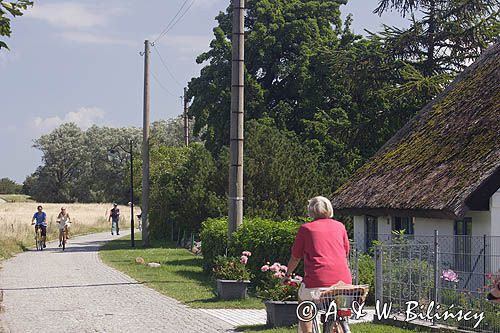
(426,226)
(495,213)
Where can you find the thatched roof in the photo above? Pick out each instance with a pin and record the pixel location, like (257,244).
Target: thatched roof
(444,161)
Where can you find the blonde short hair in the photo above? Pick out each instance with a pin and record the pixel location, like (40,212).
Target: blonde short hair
(320,208)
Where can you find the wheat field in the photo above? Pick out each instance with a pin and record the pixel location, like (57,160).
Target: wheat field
(17,233)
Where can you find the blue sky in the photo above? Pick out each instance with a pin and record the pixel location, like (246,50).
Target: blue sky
(79,61)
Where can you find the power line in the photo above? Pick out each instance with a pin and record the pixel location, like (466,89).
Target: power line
(162,86)
(166,67)
(171,24)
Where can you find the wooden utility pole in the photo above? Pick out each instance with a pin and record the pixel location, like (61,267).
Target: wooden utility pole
(235,201)
(145,150)
(186,120)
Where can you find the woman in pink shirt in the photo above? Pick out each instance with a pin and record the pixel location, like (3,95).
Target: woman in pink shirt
(324,246)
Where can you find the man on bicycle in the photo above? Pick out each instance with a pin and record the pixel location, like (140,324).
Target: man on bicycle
(41,223)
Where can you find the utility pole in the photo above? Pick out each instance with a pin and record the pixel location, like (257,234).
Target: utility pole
(132,193)
(186,120)
(235,201)
(145,149)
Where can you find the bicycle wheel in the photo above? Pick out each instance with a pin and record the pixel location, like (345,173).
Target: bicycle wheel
(64,241)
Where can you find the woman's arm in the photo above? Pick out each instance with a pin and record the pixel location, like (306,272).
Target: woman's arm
(292,265)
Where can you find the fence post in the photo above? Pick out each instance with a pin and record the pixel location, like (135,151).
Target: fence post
(379,292)
(484,260)
(356,265)
(436,274)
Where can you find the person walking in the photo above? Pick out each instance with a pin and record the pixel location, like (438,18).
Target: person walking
(114,217)
(324,246)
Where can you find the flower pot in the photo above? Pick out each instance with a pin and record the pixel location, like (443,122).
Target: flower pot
(232,289)
(281,313)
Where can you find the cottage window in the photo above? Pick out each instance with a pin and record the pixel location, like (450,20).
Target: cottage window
(371,230)
(403,223)
(463,232)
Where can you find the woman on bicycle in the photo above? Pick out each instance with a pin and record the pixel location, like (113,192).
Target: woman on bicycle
(63,220)
(324,246)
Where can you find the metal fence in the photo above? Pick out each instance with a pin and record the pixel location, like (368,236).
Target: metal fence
(454,272)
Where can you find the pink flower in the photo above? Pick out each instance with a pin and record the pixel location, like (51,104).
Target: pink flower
(247,253)
(283,268)
(449,275)
(275,267)
(279,275)
(298,278)
(264,268)
(244,260)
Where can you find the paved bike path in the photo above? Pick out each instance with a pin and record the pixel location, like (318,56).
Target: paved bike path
(73,291)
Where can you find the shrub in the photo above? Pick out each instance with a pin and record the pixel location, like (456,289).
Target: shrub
(213,241)
(366,275)
(269,241)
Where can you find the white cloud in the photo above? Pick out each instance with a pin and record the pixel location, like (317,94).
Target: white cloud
(92,38)
(84,117)
(71,14)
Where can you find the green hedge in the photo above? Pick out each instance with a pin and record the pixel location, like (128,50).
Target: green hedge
(267,240)
(213,238)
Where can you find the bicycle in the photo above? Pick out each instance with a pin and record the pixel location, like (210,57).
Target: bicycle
(343,296)
(65,232)
(38,238)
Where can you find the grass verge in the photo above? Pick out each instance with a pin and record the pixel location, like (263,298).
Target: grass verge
(16,198)
(180,276)
(357,328)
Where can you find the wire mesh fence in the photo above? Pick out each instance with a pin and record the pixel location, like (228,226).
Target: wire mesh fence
(447,276)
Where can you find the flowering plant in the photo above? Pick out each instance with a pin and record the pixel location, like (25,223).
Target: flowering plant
(449,275)
(232,268)
(273,288)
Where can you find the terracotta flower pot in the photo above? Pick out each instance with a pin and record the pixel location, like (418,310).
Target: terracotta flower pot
(281,313)
(232,289)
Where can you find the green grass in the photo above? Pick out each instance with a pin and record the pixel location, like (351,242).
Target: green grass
(180,276)
(357,328)
(16,198)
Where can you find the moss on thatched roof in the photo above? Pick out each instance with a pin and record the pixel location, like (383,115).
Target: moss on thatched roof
(442,157)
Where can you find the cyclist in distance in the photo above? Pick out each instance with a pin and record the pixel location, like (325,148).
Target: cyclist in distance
(63,220)
(324,246)
(41,222)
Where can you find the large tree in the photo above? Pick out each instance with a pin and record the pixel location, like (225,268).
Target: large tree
(444,36)
(8,10)
(282,36)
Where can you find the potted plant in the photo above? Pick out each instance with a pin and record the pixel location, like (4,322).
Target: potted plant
(280,298)
(232,276)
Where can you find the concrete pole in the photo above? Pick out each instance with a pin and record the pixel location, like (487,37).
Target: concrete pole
(186,120)
(235,201)
(145,150)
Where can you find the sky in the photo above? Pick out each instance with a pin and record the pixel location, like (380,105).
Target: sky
(79,61)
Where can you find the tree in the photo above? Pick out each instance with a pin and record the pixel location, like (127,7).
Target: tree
(445,37)
(13,9)
(170,132)
(282,36)
(8,186)
(281,174)
(84,166)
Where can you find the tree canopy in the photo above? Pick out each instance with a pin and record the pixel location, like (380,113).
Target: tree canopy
(8,10)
